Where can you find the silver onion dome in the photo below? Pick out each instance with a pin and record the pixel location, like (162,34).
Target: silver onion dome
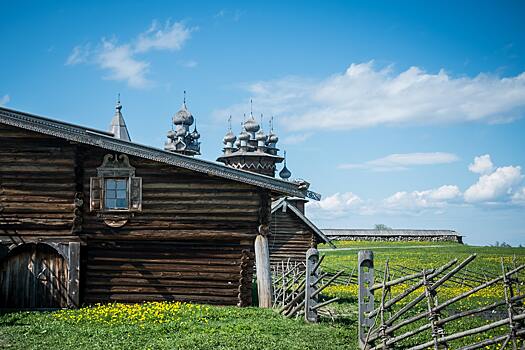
(261,136)
(229,137)
(272,138)
(251,125)
(244,136)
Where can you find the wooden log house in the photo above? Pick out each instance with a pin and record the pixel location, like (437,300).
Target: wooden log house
(86,217)
(291,232)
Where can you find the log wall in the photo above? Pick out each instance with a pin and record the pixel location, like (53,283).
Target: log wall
(193,240)
(290,238)
(37,187)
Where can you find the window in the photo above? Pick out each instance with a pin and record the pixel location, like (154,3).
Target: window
(116,194)
(115,188)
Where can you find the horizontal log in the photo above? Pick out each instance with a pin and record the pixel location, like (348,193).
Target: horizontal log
(213,292)
(145,267)
(164,282)
(137,298)
(223,277)
(214,262)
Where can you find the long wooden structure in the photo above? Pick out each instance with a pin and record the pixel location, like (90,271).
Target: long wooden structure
(187,232)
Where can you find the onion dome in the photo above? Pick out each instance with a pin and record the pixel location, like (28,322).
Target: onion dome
(244,136)
(183,116)
(181,132)
(171,134)
(195,134)
(238,143)
(229,137)
(251,125)
(261,136)
(285,174)
(272,138)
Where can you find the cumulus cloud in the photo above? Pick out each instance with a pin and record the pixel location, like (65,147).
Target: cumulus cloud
(366,96)
(481,165)
(121,64)
(336,205)
(402,202)
(402,161)
(5,100)
(519,196)
(417,200)
(122,61)
(501,186)
(495,185)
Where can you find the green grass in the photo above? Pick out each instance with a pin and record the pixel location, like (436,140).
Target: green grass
(243,328)
(227,328)
(423,257)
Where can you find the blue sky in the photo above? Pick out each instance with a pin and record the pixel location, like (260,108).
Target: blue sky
(409,114)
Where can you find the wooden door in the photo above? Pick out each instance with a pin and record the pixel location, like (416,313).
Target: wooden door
(33,276)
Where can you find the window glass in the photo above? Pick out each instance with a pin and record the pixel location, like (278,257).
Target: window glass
(116,195)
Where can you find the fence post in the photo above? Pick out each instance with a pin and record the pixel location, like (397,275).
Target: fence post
(365,266)
(264,278)
(312,258)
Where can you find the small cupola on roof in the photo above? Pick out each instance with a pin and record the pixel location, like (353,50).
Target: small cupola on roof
(181,139)
(118,126)
(253,149)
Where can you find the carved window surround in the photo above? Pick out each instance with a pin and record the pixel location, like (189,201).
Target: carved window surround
(115,168)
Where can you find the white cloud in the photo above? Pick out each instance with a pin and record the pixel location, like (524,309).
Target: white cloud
(401,161)
(417,200)
(296,138)
(79,54)
(482,165)
(172,37)
(491,187)
(364,96)
(336,205)
(499,187)
(519,196)
(121,64)
(403,202)
(121,60)
(5,100)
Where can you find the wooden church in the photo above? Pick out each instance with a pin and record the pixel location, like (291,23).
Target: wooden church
(88,216)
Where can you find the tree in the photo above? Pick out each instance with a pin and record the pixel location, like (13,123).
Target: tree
(382,227)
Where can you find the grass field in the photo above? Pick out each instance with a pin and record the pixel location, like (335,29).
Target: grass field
(182,326)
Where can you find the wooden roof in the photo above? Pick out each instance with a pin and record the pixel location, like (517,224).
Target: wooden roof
(102,139)
(281,202)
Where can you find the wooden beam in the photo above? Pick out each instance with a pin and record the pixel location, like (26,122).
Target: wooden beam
(73,284)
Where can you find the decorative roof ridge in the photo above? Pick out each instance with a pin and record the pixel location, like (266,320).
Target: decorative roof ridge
(103,139)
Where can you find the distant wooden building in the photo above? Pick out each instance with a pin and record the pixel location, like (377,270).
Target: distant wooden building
(87,217)
(393,235)
(291,232)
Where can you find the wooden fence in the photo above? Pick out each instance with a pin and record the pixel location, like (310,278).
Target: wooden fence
(297,287)
(420,318)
